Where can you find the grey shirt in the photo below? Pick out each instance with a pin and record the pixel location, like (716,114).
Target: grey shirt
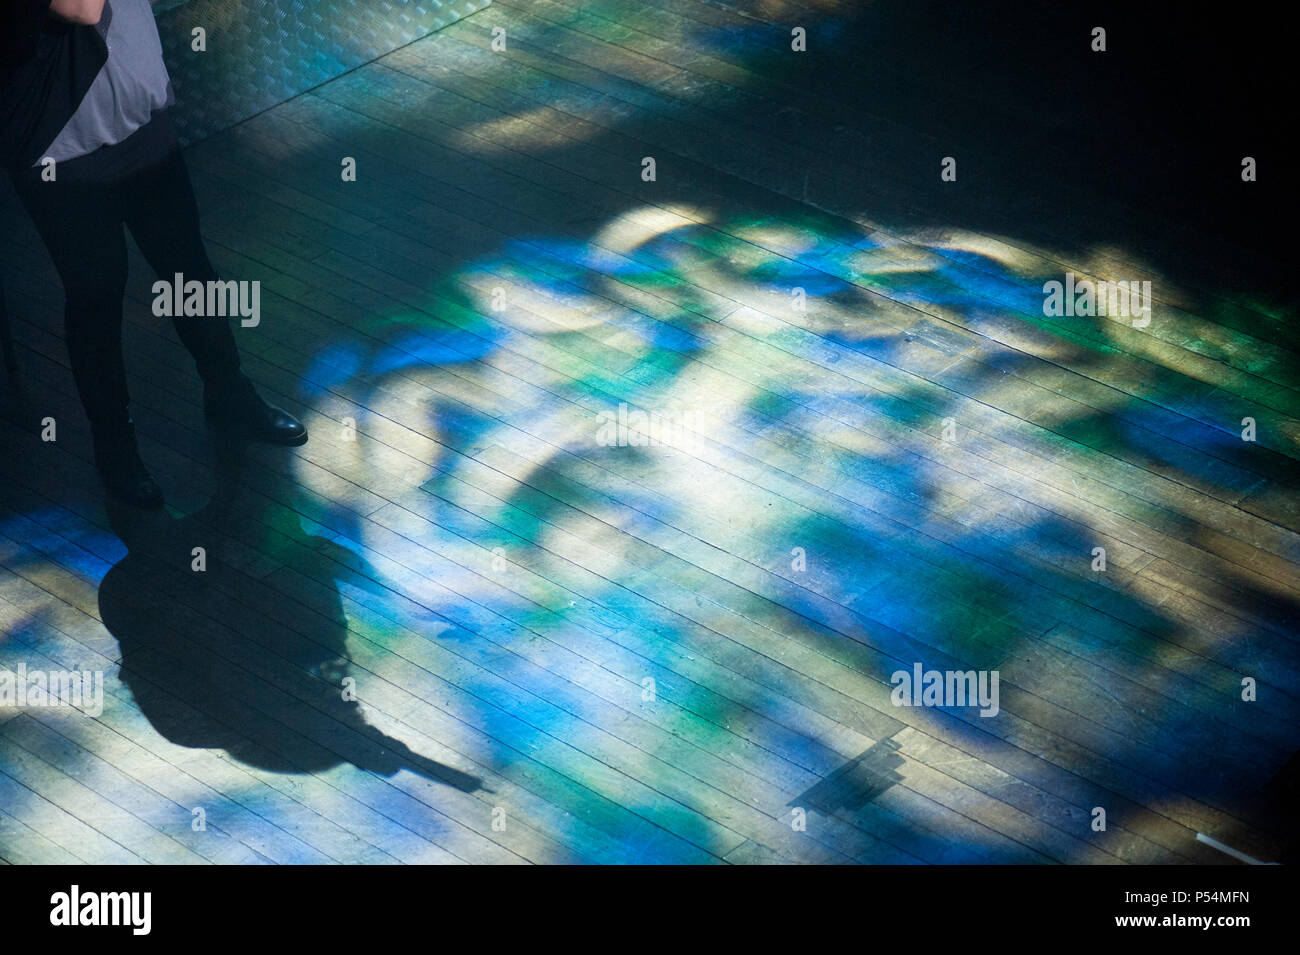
(130,86)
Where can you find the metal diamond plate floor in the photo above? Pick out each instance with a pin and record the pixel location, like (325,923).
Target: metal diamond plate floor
(262,52)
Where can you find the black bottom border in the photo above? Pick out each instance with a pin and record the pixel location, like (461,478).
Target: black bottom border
(330,904)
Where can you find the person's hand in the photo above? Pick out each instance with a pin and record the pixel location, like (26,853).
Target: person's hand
(85,12)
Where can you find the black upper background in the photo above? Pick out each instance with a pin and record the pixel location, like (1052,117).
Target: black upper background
(1154,129)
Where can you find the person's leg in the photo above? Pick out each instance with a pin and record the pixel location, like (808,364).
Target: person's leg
(7,341)
(161,211)
(82,229)
(79,219)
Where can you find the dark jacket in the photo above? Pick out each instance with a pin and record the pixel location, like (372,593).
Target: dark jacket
(46,69)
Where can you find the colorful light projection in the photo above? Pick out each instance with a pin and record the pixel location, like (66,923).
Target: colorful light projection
(821,519)
(649,650)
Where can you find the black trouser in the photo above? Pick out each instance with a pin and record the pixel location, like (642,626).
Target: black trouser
(140,183)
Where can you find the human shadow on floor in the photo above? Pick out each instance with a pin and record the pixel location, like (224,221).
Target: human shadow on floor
(251,659)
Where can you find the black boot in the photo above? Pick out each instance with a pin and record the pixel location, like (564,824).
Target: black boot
(117,458)
(238,408)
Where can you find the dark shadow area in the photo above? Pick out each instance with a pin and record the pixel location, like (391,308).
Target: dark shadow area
(1139,146)
(1283,793)
(857,782)
(212,667)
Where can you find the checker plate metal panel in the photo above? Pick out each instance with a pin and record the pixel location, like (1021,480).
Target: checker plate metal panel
(262,52)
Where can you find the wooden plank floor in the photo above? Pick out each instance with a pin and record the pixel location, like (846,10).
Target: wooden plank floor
(571,650)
